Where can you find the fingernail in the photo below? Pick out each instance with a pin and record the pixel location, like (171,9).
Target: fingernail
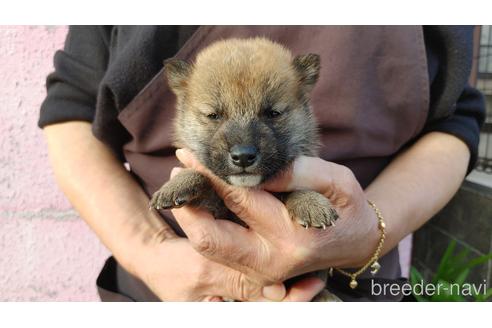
(214,299)
(275,292)
(179,152)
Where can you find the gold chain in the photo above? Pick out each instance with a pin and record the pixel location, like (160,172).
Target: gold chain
(373,262)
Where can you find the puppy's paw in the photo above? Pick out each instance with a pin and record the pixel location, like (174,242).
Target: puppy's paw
(311,209)
(168,197)
(185,188)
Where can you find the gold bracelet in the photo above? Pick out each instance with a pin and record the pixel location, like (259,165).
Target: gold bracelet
(373,262)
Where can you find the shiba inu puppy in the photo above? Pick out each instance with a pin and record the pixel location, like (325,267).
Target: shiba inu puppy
(243,109)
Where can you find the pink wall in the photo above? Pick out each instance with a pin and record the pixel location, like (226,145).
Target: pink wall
(46,252)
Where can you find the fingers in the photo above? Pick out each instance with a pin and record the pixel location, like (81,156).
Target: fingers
(189,161)
(175,171)
(276,292)
(255,207)
(222,241)
(305,173)
(187,158)
(232,284)
(262,211)
(313,173)
(304,290)
(213,299)
(238,287)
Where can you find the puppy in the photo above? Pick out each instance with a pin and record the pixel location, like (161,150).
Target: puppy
(243,109)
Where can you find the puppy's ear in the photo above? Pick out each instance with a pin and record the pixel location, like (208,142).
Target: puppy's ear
(177,72)
(307,68)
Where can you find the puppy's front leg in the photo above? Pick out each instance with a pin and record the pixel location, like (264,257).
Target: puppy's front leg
(310,209)
(186,187)
(189,187)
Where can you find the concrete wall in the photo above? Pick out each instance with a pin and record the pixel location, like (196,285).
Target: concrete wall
(468,220)
(46,252)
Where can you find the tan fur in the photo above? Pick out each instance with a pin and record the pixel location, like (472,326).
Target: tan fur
(235,74)
(248,69)
(238,80)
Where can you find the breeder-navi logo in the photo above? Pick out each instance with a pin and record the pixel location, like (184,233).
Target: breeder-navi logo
(428,289)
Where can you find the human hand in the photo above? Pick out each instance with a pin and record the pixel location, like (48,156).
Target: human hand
(275,248)
(174,271)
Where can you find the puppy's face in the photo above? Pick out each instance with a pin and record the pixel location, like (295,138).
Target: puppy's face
(243,108)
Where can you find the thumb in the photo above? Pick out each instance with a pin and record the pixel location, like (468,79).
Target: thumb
(274,292)
(304,173)
(305,290)
(238,286)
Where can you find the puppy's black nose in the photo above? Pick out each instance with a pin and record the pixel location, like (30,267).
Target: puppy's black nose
(243,155)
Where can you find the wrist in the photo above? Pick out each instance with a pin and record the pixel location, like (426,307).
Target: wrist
(135,247)
(372,235)
(372,262)
(394,216)
(355,239)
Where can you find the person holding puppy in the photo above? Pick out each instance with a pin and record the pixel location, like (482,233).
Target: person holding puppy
(399,127)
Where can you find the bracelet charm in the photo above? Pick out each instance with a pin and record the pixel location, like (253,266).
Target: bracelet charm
(373,262)
(375,267)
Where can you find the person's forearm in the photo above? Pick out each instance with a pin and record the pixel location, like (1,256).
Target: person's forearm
(102,191)
(418,183)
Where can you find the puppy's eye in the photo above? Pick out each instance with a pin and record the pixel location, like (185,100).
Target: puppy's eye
(271,113)
(213,116)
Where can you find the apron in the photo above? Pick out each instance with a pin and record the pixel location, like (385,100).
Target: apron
(371,100)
